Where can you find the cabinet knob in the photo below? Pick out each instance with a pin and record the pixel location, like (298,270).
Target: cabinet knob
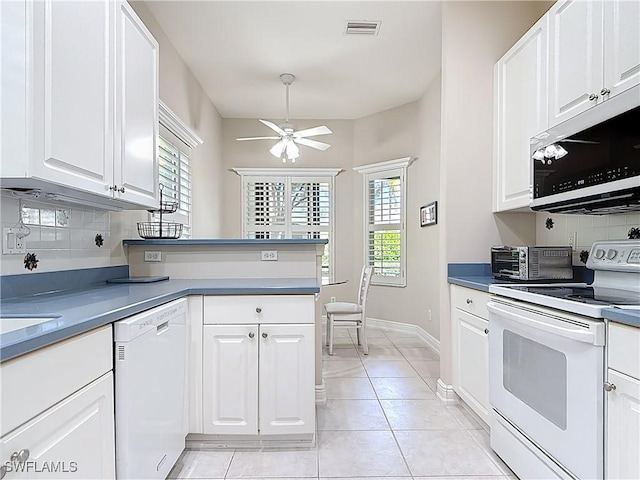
(258,310)
(121,189)
(469,301)
(21,456)
(113,187)
(609,386)
(265,334)
(486,331)
(251,334)
(593,96)
(605,91)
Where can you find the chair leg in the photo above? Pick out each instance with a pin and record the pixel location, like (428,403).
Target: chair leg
(327,336)
(358,335)
(330,333)
(365,345)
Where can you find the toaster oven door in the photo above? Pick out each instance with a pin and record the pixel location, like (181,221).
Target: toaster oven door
(505,262)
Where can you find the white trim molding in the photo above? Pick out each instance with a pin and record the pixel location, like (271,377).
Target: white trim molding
(403,162)
(175,125)
(288,172)
(446,393)
(406,328)
(321,394)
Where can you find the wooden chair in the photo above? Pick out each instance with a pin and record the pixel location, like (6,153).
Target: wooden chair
(346,314)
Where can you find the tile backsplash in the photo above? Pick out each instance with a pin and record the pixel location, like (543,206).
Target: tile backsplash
(63,238)
(588,229)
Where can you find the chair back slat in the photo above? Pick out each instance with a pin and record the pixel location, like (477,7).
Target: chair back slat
(365,281)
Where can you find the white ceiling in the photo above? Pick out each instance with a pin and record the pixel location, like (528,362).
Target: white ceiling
(238,49)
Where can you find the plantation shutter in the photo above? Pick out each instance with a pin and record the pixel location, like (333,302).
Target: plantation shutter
(265,214)
(175,178)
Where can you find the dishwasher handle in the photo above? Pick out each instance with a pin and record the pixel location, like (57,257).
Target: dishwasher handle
(163,327)
(536,320)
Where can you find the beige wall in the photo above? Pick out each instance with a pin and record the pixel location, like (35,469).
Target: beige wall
(474,36)
(182,93)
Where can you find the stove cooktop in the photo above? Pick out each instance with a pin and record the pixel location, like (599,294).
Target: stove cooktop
(589,295)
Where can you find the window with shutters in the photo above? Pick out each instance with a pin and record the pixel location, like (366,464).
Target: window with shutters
(385,229)
(298,204)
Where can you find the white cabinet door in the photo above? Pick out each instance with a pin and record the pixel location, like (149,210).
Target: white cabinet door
(287,379)
(472,362)
(135,156)
(74,438)
(576,57)
(520,95)
(230,386)
(621,45)
(623,427)
(73,94)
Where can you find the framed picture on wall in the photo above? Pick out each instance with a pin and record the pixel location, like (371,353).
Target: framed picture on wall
(429,214)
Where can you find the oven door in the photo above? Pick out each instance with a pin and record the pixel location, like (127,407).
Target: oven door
(545,377)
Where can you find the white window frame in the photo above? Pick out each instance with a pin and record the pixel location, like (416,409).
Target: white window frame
(288,176)
(374,171)
(172,128)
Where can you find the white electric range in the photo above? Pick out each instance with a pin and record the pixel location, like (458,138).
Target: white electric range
(546,366)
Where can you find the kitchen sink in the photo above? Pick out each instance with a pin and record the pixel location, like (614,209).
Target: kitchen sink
(9,324)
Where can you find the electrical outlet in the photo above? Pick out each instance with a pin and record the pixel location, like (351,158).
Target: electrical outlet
(13,242)
(155,256)
(269,255)
(333,299)
(429,314)
(573,239)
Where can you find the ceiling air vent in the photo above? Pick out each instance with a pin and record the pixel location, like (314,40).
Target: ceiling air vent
(362,28)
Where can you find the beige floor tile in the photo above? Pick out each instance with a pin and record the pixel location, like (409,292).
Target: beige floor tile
(413,341)
(199,464)
(349,389)
(411,388)
(340,353)
(466,418)
(343,368)
(381,352)
(444,452)
(364,478)
(372,332)
(274,463)
(432,383)
(357,454)
(379,341)
(419,353)
(466,477)
(427,368)
(389,368)
(351,415)
(482,438)
(419,415)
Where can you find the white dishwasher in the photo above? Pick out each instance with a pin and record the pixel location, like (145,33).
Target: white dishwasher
(150,375)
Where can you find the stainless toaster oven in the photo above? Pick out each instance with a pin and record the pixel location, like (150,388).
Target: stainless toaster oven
(531,263)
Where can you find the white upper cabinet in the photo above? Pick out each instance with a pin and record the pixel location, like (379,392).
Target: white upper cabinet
(135,164)
(83,82)
(520,112)
(621,45)
(594,54)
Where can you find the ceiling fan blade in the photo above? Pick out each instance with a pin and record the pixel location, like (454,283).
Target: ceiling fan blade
(257,138)
(312,143)
(311,132)
(273,127)
(277,149)
(293,151)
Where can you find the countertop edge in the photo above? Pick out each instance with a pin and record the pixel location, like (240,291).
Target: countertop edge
(223,241)
(625,317)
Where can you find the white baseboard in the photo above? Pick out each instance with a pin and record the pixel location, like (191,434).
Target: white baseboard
(446,393)
(321,394)
(406,328)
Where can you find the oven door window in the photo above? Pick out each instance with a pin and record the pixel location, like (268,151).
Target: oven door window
(536,375)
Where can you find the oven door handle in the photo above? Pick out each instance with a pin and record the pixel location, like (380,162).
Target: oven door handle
(576,333)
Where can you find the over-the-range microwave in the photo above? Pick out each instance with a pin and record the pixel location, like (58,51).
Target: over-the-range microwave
(590,164)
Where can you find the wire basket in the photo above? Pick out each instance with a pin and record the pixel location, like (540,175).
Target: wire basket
(165,207)
(151,230)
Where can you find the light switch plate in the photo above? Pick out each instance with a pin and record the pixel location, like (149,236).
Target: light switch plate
(269,255)
(13,240)
(573,237)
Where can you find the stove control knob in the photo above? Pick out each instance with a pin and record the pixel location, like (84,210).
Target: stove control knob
(599,253)
(611,254)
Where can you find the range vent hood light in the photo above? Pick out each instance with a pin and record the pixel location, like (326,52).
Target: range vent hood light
(362,27)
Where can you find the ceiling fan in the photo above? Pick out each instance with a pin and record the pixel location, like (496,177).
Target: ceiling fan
(288,137)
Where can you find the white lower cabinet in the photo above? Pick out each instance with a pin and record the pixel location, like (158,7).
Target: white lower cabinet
(73,439)
(55,425)
(623,403)
(471,348)
(259,378)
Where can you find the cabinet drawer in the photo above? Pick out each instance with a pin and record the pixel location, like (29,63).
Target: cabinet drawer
(36,381)
(470,300)
(259,309)
(623,351)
